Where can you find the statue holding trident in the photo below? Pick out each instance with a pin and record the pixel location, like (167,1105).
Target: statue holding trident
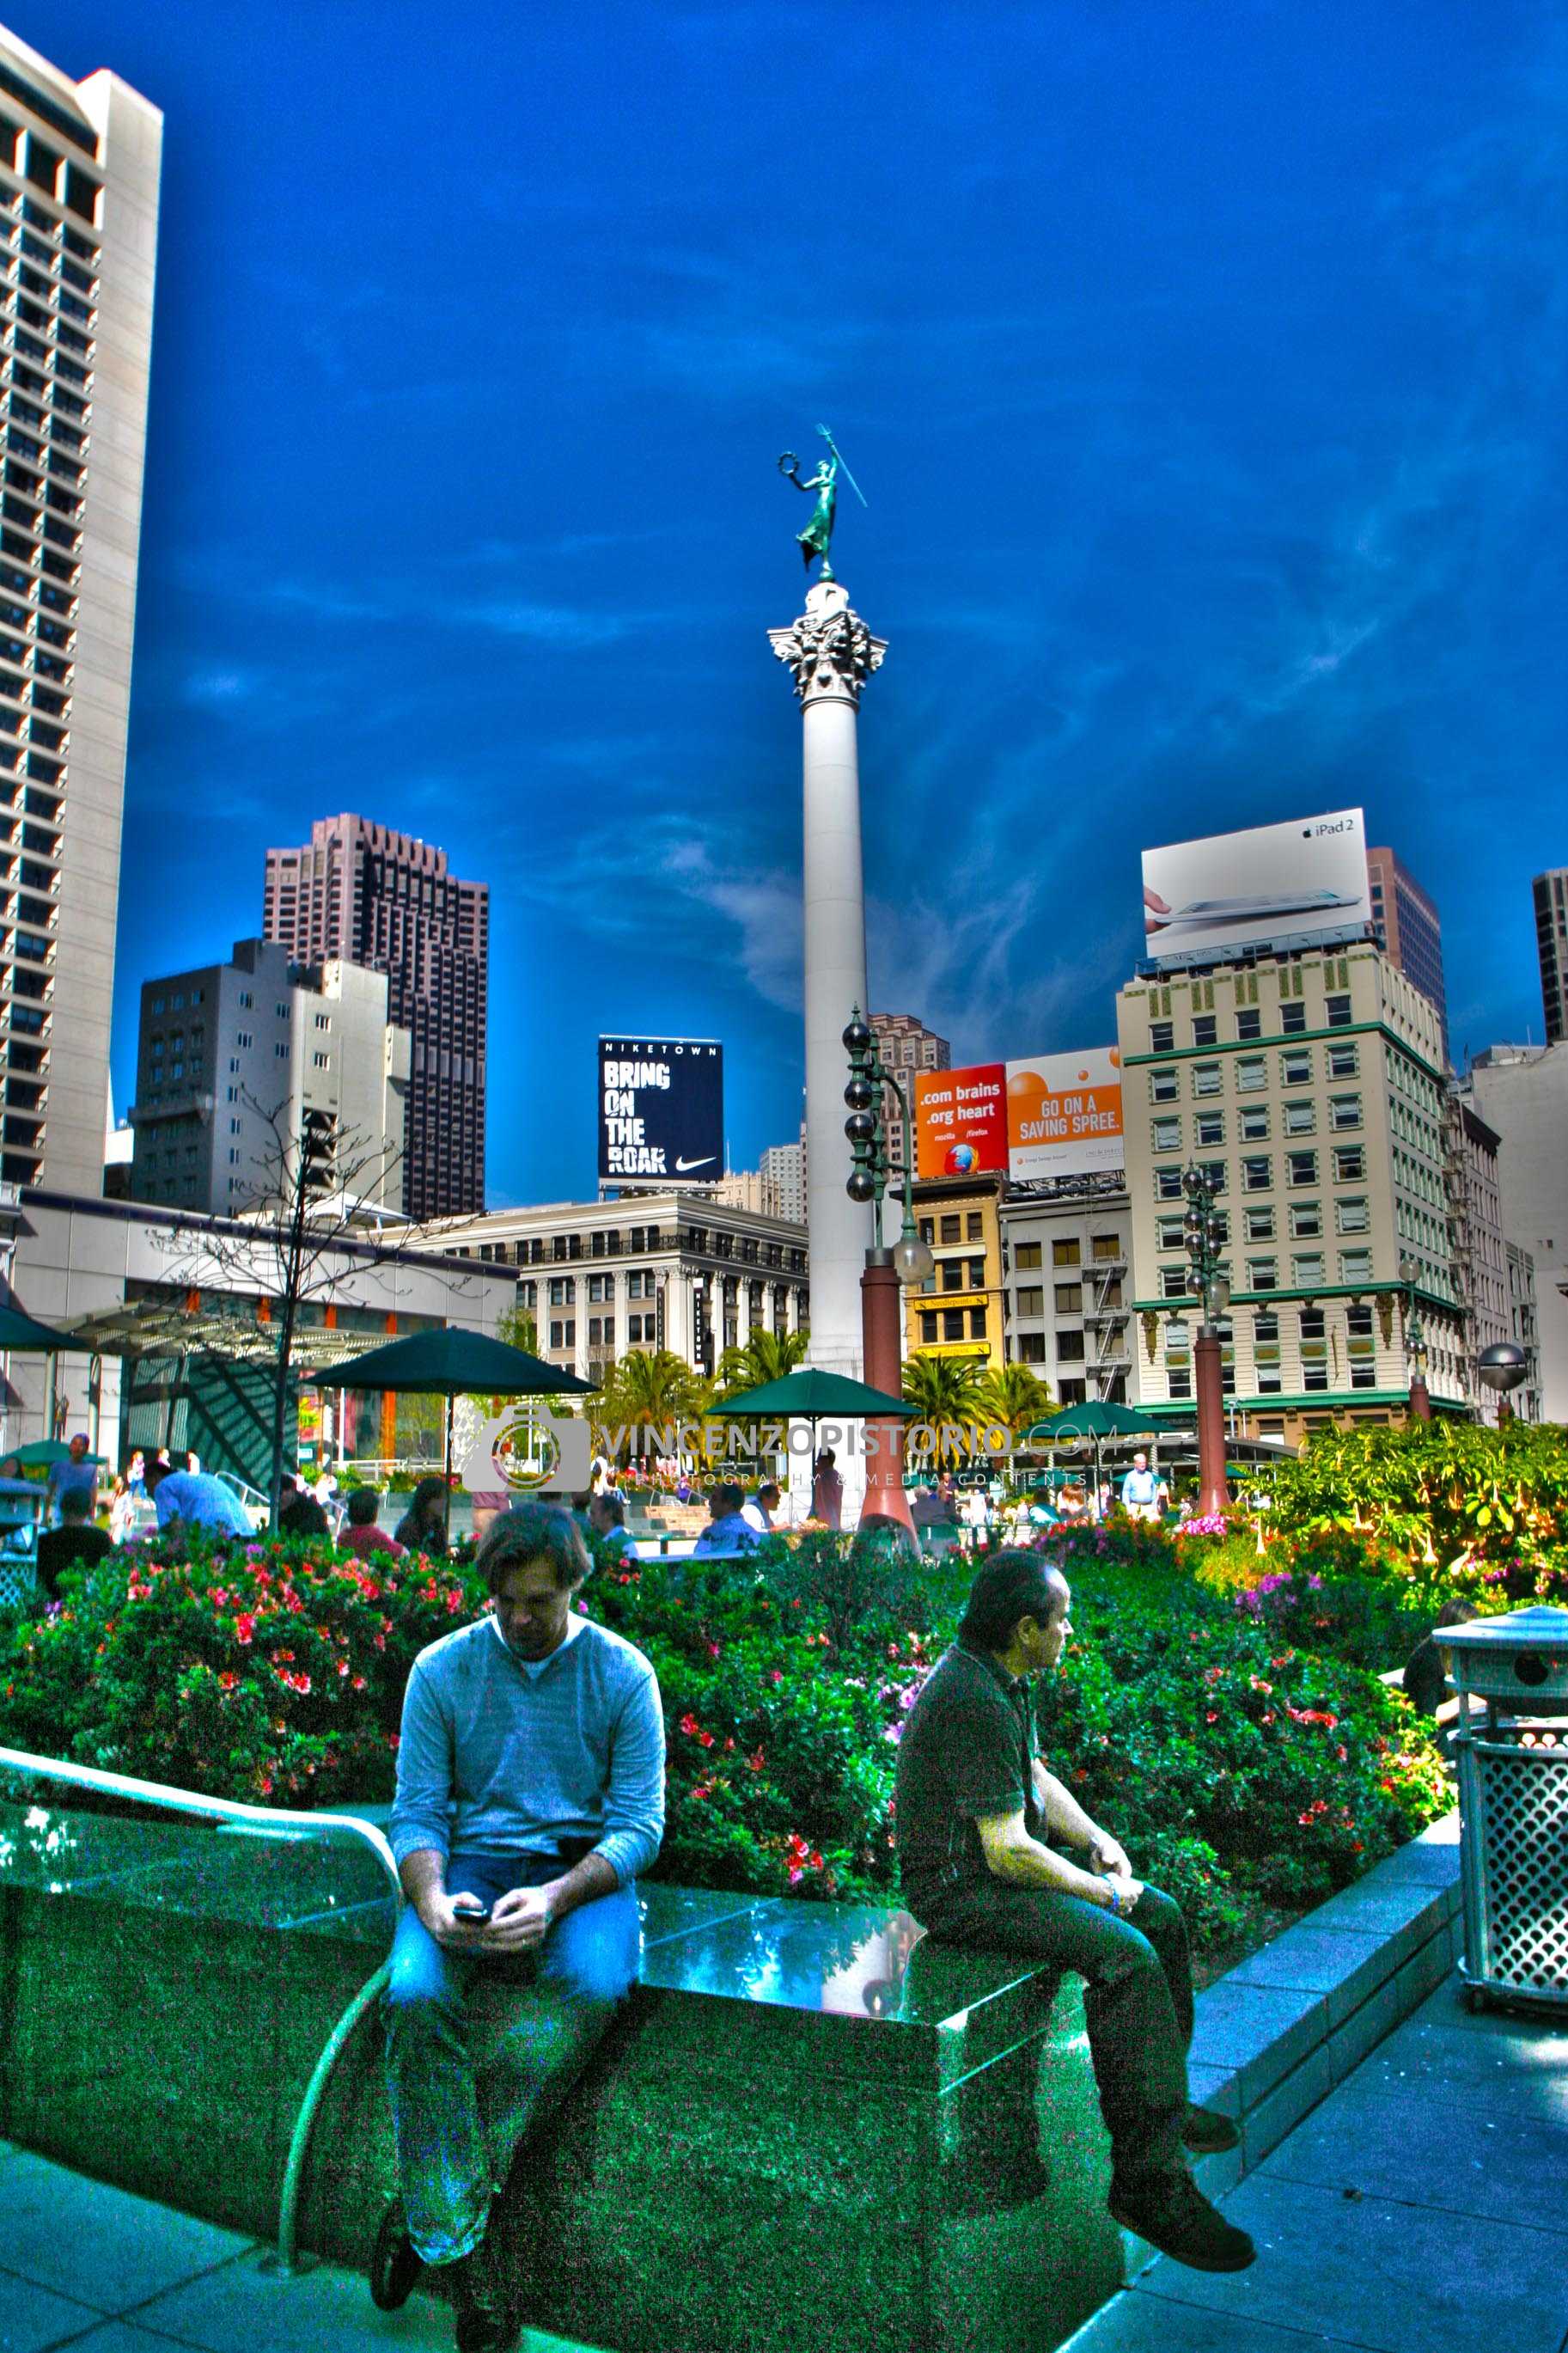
(816,539)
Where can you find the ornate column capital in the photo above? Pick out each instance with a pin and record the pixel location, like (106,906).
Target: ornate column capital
(830,651)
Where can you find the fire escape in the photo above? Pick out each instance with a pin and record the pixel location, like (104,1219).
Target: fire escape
(1107,1345)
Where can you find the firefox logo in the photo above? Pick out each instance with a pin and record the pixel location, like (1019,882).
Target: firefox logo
(961,1160)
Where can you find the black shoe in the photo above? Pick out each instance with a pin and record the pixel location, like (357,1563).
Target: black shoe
(485,2324)
(1173,2215)
(394,2268)
(1208,2134)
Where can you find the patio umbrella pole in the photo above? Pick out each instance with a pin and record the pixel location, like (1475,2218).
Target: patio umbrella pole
(448,1462)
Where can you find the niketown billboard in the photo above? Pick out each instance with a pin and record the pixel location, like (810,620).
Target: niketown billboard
(662,1110)
(1283,886)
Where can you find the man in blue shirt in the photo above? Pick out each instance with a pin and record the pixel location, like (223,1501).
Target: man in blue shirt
(530,1795)
(1144,1493)
(196,1500)
(74,1473)
(728,1530)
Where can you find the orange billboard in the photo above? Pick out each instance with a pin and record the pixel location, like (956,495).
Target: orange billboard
(961,1121)
(1064,1114)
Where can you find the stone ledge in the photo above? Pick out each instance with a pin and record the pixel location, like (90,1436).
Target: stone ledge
(1277,2033)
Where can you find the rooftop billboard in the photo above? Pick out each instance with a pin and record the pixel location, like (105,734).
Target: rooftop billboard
(1272,886)
(961,1121)
(662,1110)
(1050,1116)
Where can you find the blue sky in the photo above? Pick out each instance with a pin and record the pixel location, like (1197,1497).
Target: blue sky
(1205,368)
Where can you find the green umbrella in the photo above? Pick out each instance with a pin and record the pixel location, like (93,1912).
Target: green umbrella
(808,1395)
(44,1453)
(20,1330)
(451,1362)
(1097,1422)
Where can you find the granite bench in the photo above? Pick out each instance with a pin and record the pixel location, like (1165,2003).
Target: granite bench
(808,2127)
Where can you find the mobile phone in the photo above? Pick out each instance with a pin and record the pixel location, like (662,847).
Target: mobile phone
(469,1907)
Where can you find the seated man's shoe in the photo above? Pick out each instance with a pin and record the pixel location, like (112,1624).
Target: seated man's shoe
(394,2268)
(1208,2134)
(1173,2215)
(485,2324)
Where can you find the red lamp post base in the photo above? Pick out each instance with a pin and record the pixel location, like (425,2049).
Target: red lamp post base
(1214,1493)
(1420,1401)
(882,1317)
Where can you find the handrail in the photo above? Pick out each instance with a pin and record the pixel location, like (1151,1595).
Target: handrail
(190,1802)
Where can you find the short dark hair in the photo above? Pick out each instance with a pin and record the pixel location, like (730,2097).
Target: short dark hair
(731,1495)
(1011,1585)
(533,1532)
(768,1487)
(153,1469)
(303,1518)
(76,1504)
(610,1499)
(429,1491)
(364,1504)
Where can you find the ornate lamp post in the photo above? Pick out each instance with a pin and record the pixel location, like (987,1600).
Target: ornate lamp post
(1502,1367)
(1201,1232)
(1415,1342)
(906,1265)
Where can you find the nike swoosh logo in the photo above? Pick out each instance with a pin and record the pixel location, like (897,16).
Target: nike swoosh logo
(682,1165)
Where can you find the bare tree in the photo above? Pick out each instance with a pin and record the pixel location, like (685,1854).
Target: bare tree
(315,1207)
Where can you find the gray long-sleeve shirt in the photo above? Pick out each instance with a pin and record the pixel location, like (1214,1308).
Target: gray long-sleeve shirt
(497,1758)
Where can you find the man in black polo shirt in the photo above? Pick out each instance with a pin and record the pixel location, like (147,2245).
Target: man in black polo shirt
(975,1811)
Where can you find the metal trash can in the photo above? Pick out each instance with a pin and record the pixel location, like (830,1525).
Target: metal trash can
(1514,1802)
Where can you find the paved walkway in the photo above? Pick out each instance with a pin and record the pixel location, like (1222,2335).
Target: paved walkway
(1419,2208)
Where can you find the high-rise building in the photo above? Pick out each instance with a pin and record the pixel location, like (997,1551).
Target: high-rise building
(1311,1089)
(1409,930)
(1477,1245)
(1067,1263)
(238,1062)
(960,1311)
(907,1047)
(1551,894)
(79,166)
(370,896)
(784,1165)
(1521,1091)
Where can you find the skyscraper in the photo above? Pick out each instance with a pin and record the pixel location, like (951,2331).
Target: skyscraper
(371,896)
(1550,894)
(79,165)
(907,1047)
(1409,930)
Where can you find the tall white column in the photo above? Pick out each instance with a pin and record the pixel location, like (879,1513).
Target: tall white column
(831,654)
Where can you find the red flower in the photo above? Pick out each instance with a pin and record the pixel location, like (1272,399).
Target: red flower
(688,1726)
(705,1739)
(756,1761)
(227,1681)
(243,1627)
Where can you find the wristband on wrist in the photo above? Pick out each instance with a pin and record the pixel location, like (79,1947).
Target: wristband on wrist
(1115,1898)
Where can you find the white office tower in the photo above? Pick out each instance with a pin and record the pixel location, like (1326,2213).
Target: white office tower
(79,218)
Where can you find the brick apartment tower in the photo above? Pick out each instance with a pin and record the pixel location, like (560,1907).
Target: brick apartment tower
(374,897)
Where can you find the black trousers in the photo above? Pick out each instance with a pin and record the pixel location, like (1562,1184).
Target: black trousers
(1138,2003)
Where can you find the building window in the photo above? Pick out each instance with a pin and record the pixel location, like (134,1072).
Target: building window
(975,1226)
(949,1229)
(1249,1023)
(952,1272)
(1026,1257)
(1162,1037)
(1070,1347)
(1300,1118)
(1210,1127)
(1208,1079)
(1355,1266)
(1307,1270)
(1306,1220)
(977,1323)
(952,1322)
(1349,1162)
(1259,1225)
(1165,1086)
(1167,1185)
(1262,1274)
(1345,1110)
(1165,1135)
(1302,1167)
(1296,1067)
(1031,1300)
(1067,1253)
(1251,1074)
(977,1274)
(1257,1172)
(1173,1281)
(1338,1009)
(1206,1029)
(1351,1214)
(1032,1348)
(1069,1298)
(1292,1018)
(1107,1248)
(927,1330)
(1344,1061)
(1255,1123)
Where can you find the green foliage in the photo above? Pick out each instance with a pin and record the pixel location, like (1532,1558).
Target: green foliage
(1440,1501)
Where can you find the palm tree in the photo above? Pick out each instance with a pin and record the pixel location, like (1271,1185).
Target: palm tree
(647,1386)
(765,1356)
(1016,1397)
(941,1389)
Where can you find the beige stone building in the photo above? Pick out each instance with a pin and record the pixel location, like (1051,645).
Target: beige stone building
(80,167)
(1310,1087)
(907,1047)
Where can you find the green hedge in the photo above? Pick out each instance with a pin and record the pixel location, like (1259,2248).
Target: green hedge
(1238,1743)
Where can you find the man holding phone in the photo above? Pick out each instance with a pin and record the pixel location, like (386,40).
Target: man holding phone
(982,1824)
(530,1795)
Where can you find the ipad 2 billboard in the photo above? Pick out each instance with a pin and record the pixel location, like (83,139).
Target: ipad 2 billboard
(662,1110)
(1272,886)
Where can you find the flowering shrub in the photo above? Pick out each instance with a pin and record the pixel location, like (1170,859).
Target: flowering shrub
(1233,1742)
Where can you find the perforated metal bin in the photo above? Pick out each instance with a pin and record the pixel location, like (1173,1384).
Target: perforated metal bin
(1514,1802)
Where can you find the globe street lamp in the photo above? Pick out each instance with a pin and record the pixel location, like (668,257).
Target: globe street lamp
(906,1266)
(1201,1231)
(1502,1367)
(1415,1342)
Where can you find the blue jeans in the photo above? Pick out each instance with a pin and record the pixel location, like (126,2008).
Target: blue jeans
(450,2157)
